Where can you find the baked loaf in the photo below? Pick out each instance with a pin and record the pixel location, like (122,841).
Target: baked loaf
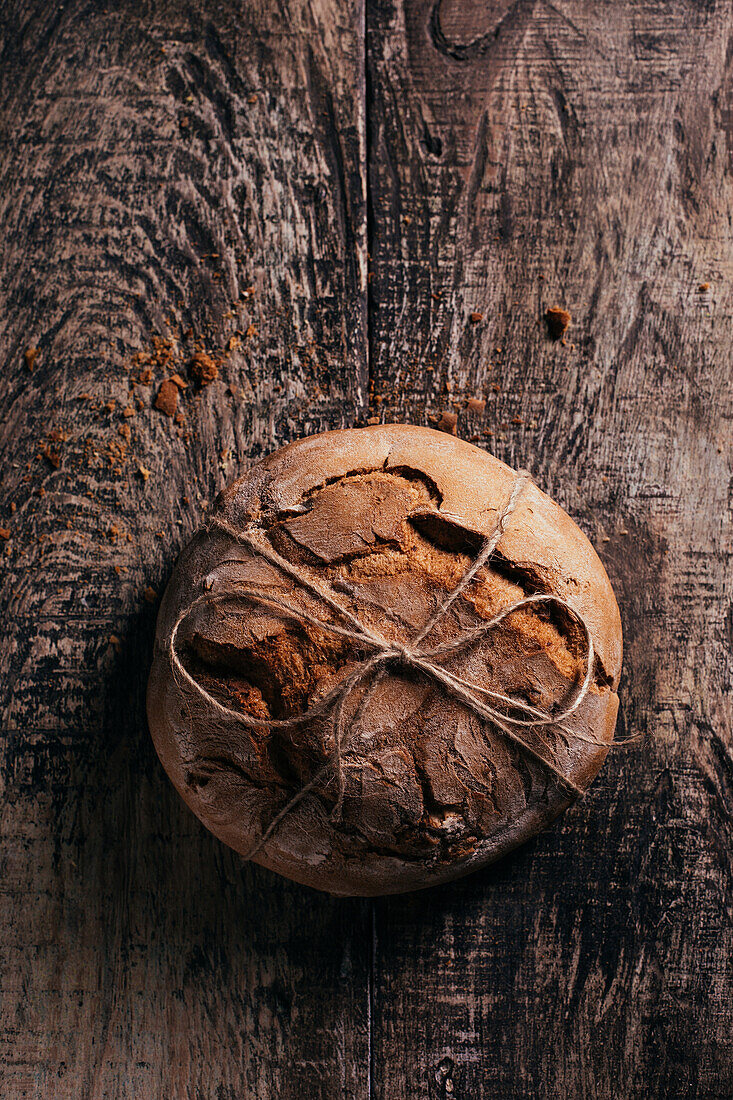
(385,521)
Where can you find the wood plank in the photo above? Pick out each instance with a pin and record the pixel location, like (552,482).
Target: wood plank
(523,155)
(156,163)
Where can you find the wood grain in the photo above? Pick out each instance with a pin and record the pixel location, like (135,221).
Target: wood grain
(139,957)
(230,169)
(524,155)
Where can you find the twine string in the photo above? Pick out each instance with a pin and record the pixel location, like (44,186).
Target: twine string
(381,652)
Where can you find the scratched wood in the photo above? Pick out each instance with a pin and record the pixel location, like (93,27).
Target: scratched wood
(165,167)
(218,177)
(524,155)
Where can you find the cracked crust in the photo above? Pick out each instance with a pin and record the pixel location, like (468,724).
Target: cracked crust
(389,517)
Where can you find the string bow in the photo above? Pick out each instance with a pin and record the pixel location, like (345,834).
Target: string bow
(382,653)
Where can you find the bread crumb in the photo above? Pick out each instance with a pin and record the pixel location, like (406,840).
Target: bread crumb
(557,320)
(475,317)
(203,369)
(448,422)
(4,533)
(30,355)
(150,595)
(476,404)
(52,455)
(167,398)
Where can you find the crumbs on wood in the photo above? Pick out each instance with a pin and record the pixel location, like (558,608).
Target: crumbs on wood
(448,422)
(203,369)
(557,320)
(167,399)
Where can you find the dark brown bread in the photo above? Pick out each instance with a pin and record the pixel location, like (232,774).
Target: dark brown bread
(388,518)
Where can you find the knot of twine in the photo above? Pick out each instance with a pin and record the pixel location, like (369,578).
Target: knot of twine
(413,654)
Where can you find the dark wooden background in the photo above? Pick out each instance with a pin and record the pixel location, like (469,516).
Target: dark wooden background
(319,196)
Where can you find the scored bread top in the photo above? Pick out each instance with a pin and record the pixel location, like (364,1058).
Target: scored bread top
(472,488)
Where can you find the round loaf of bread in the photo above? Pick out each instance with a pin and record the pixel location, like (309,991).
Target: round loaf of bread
(308,720)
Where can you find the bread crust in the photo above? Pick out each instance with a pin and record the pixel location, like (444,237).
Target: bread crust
(453,793)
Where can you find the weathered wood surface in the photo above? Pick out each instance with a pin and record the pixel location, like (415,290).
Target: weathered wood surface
(521,155)
(139,957)
(496,158)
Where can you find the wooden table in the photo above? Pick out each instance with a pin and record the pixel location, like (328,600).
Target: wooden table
(319,197)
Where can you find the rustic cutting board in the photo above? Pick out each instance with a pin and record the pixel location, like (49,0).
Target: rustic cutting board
(353,214)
